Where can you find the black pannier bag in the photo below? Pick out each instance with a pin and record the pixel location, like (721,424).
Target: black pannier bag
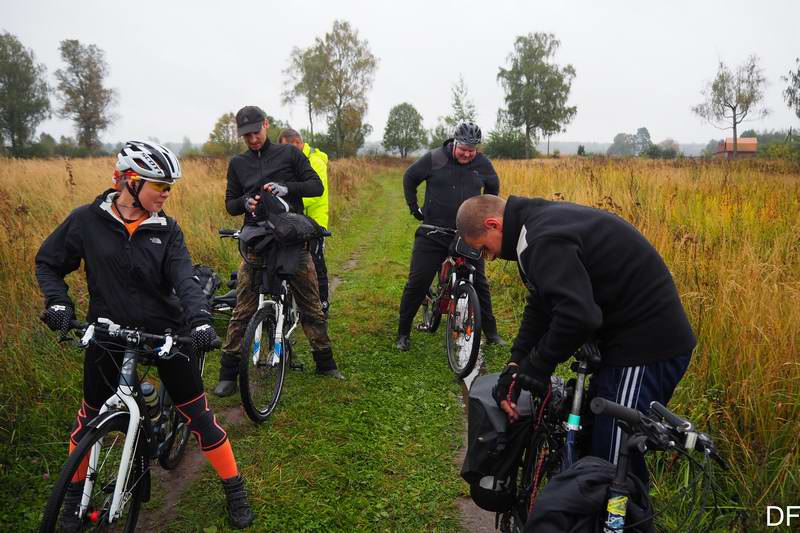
(493,447)
(575,500)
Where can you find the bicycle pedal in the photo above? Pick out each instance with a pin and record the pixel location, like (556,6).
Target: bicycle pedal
(422,327)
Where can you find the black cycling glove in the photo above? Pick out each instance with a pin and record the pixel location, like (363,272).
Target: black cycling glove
(204,338)
(507,387)
(416,212)
(57,317)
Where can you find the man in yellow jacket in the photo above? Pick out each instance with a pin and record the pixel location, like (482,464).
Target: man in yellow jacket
(316,208)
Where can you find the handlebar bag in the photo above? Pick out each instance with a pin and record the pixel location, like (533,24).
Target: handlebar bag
(575,500)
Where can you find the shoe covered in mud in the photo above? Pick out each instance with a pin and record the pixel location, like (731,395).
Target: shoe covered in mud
(225,388)
(403,343)
(496,339)
(331,373)
(239,511)
(69,510)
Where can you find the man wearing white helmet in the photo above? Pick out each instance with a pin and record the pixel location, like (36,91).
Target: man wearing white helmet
(139,275)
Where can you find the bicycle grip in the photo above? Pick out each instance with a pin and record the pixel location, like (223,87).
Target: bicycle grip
(601,406)
(671,418)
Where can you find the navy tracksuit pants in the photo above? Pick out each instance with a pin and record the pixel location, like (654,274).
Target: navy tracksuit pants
(634,387)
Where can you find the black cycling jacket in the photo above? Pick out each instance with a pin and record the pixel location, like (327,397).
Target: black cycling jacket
(449,183)
(143,281)
(591,276)
(280,163)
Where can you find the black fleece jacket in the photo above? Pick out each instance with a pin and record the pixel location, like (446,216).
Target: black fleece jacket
(591,276)
(143,281)
(449,183)
(279,163)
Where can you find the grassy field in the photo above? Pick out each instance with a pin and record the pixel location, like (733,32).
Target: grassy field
(730,234)
(376,452)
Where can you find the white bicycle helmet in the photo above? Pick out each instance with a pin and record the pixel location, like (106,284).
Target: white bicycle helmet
(151,161)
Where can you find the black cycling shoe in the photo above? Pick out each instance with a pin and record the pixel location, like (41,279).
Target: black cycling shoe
(239,511)
(495,339)
(225,388)
(403,343)
(69,512)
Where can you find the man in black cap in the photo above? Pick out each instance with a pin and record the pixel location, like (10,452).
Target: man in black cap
(267,168)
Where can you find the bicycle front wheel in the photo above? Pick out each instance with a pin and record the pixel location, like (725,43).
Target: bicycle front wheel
(463,335)
(176,439)
(263,366)
(108,442)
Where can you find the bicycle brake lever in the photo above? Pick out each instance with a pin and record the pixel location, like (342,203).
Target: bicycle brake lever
(166,348)
(88,335)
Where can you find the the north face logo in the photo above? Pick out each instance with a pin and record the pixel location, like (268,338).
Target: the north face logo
(155,240)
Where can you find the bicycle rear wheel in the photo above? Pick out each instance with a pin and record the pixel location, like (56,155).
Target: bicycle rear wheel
(263,366)
(109,439)
(463,335)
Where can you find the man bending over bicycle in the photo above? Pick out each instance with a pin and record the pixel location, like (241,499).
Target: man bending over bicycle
(140,275)
(593,278)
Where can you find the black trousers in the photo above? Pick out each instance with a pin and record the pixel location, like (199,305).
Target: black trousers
(426,260)
(317,250)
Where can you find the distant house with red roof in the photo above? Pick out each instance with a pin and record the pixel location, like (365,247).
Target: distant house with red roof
(745,147)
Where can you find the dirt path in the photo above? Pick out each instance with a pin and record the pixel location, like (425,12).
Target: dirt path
(473,518)
(172,484)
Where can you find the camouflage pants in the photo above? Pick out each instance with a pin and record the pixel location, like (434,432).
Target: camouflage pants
(305,291)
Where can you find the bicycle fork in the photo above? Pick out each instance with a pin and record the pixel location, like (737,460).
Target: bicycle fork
(123,400)
(277,350)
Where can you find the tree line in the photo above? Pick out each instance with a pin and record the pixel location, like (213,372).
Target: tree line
(332,77)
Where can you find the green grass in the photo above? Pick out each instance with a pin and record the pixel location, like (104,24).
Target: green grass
(374,452)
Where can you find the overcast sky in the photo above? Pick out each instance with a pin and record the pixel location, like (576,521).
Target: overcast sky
(178,65)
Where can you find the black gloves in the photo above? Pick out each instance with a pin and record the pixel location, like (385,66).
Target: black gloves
(57,317)
(507,387)
(204,338)
(532,374)
(416,212)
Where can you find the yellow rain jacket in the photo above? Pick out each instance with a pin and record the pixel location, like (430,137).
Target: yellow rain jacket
(317,207)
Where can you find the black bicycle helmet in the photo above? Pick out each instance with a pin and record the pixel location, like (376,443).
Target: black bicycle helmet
(468,133)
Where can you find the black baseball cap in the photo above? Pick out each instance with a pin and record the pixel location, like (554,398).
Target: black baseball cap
(249,119)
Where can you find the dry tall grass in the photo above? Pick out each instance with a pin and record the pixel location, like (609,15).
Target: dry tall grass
(35,196)
(730,233)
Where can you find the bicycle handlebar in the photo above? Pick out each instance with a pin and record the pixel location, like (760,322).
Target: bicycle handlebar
(441,229)
(601,406)
(671,418)
(116,331)
(675,432)
(228,233)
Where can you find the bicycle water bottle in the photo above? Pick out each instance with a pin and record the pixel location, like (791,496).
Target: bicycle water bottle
(151,400)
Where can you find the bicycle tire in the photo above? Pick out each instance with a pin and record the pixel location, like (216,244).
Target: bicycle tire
(174,447)
(548,449)
(463,333)
(105,479)
(261,382)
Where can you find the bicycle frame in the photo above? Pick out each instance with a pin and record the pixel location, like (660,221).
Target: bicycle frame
(124,398)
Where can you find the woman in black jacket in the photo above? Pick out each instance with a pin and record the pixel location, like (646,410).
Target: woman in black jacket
(139,275)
